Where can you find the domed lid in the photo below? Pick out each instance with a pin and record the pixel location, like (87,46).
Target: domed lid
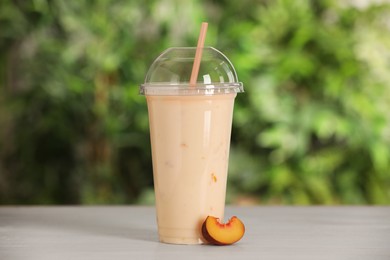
(170,74)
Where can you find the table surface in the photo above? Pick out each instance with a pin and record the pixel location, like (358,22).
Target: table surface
(129,232)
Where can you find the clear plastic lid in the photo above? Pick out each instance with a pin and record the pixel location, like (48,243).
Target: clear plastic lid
(170,74)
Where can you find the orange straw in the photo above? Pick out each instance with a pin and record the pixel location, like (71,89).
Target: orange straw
(198,54)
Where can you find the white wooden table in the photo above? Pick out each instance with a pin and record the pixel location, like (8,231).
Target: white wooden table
(129,232)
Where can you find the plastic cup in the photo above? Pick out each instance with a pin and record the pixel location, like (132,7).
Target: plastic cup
(190,128)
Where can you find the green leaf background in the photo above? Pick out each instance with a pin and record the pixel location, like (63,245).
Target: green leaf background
(313,126)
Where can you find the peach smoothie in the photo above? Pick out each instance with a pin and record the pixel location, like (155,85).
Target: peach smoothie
(190,120)
(190,137)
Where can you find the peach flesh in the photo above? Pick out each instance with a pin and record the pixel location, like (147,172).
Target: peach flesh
(218,233)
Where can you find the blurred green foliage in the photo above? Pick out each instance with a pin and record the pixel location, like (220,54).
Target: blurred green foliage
(312,128)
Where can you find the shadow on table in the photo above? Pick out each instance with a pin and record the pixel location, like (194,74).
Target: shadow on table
(116,223)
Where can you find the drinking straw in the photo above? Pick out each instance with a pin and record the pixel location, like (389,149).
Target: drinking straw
(198,54)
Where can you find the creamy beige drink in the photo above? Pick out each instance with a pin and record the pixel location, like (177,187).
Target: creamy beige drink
(190,138)
(190,126)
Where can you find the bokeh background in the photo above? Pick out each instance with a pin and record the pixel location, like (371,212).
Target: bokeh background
(313,126)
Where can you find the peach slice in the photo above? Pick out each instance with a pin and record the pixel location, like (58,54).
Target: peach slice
(218,233)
